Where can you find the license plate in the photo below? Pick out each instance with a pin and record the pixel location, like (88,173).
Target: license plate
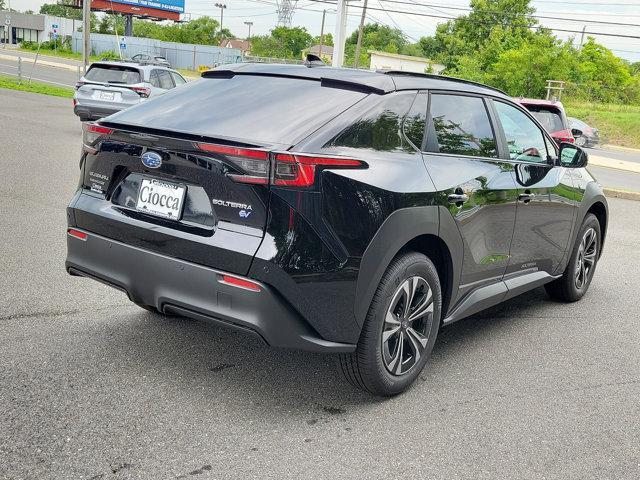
(108,96)
(160,198)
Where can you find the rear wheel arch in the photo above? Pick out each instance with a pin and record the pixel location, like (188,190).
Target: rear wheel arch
(434,248)
(599,209)
(421,229)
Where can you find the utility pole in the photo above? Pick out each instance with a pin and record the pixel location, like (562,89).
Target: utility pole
(582,36)
(221,6)
(360,30)
(128,25)
(324,13)
(341,27)
(249,24)
(86,33)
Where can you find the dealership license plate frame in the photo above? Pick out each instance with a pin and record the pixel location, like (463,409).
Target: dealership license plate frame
(107,96)
(168,184)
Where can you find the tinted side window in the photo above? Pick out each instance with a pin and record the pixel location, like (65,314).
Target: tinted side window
(525,140)
(153,79)
(461,126)
(165,79)
(416,120)
(379,128)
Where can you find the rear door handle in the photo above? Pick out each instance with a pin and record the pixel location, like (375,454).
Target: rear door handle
(457,197)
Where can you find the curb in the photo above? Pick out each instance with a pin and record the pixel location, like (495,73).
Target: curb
(626,194)
(624,165)
(606,146)
(30,61)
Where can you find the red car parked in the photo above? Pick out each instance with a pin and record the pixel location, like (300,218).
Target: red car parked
(551,116)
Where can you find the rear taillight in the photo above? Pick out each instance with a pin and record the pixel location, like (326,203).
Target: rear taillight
(290,169)
(254,163)
(566,139)
(299,170)
(142,91)
(92,134)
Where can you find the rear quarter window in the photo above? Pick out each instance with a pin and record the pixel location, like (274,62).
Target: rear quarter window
(113,74)
(380,128)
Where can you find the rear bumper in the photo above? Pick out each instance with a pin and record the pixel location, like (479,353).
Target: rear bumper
(191,290)
(93,113)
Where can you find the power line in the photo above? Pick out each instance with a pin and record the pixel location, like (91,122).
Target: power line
(421,14)
(509,14)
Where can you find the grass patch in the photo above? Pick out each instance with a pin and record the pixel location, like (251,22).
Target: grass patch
(618,124)
(35,87)
(62,54)
(52,53)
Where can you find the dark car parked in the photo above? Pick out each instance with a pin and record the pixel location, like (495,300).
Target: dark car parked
(585,135)
(552,117)
(333,210)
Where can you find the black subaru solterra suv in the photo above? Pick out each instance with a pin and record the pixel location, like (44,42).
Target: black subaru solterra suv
(333,210)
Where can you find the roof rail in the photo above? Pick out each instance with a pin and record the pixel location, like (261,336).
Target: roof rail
(440,77)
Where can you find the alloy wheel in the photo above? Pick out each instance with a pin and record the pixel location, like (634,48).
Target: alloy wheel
(405,332)
(587,254)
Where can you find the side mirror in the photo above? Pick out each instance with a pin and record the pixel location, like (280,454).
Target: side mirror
(576,133)
(572,156)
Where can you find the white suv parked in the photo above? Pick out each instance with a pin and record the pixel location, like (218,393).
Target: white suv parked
(109,87)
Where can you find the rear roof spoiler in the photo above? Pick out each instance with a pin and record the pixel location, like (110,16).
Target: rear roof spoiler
(325,81)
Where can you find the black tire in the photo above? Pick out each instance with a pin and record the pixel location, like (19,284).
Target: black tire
(568,288)
(369,367)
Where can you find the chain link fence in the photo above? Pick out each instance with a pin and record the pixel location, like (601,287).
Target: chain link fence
(180,55)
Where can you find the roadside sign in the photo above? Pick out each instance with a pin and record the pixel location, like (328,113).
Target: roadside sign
(55,36)
(54,26)
(123,46)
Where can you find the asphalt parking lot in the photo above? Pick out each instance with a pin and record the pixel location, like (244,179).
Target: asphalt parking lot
(92,387)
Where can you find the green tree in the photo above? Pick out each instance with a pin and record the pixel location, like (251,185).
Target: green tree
(282,42)
(601,74)
(524,71)
(2,5)
(374,37)
(502,23)
(61,9)
(326,40)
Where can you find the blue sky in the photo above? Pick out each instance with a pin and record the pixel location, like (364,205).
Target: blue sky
(309,14)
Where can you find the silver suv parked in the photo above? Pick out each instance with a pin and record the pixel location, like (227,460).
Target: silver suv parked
(109,87)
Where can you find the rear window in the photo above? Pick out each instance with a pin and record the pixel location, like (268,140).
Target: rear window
(113,74)
(549,117)
(254,109)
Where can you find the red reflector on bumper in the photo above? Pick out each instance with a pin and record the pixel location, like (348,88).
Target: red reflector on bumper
(240,283)
(77,234)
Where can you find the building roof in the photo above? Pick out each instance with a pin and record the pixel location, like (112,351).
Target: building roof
(326,50)
(373,81)
(400,57)
(244,45)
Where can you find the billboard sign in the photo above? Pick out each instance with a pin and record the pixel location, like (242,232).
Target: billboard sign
(166,5)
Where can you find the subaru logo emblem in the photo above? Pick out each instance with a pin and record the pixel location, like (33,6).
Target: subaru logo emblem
(151,159)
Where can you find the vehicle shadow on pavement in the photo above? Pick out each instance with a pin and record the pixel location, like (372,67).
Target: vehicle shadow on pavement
(207,356)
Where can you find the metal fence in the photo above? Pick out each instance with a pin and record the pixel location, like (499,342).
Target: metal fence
(252,59)
(180,55)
